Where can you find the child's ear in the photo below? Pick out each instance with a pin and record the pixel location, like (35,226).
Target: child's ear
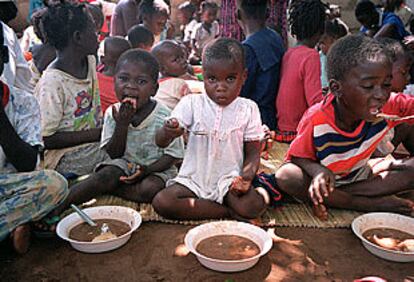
(335,87)
(76,37)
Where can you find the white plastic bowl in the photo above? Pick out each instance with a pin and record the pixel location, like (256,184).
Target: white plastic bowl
(384,220)
(249,231)
(124,214)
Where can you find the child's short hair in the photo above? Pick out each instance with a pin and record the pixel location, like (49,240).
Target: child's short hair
(205,5)
(97,15)
(335,29)
(255,9)
(140,35)
(187,7)
(140,57)
(61,21)
(36,21)
(224,49)
(162,47)
(394,47)
(351,51)
(364,7)
(151,7)
(307,18)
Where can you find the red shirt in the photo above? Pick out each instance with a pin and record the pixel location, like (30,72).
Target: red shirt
(106,91)
(300,86)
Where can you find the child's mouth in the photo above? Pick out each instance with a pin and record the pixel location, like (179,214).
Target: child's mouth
(374,110)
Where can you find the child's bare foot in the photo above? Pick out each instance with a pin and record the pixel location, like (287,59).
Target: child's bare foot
(21,239)
(395,204)
(320,211)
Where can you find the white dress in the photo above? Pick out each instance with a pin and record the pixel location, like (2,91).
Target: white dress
(212,161)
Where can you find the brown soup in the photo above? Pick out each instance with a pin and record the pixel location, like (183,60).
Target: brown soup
(86,233)
(228,247)
(394,237)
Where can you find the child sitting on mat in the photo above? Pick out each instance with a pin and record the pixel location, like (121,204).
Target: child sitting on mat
(68,92)
(328,160)
(138,168)
(223,150)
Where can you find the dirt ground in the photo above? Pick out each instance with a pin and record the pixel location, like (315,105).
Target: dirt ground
(304,255)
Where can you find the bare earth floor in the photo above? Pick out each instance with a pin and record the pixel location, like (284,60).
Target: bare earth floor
(305,255)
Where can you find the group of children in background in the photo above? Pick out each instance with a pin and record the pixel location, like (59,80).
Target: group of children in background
(132,124)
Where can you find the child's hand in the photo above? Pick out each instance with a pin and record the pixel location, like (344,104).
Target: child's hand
(240,186)
(134,178)
(126,112)
(322,184)
(172,128)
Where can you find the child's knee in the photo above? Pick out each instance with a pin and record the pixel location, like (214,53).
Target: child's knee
(149,189)
(287,175)
(251,207)
(162,202)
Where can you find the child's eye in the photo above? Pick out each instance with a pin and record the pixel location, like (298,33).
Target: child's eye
(211,79)
(123,78)
(141,81)
(367,87)
(231,79)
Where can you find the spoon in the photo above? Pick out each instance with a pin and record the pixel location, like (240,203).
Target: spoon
(88,220)
(84,216)
(395,118)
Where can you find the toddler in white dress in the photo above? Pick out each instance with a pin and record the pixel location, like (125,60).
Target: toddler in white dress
(223,151)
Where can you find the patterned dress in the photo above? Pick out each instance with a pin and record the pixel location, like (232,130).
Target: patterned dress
(25,197)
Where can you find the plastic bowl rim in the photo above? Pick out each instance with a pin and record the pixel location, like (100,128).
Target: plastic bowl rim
(362,238)
(133,229)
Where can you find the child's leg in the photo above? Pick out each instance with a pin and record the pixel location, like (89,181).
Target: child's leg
(249,206)
(178,202)
(293,180)
(404,133)
(141,192)
(103,181)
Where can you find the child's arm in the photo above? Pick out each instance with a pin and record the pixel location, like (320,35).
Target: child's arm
(117,144)
(18,152)
(323,179)
(166,134)
(241,184)
(60,140)
(164,163)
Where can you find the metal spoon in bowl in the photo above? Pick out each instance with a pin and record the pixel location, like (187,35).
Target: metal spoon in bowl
(88,220)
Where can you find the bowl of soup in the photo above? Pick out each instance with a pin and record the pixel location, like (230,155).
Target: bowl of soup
(120,223)
(228,246)
(387,235)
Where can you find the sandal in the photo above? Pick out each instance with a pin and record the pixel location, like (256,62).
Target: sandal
(46,227)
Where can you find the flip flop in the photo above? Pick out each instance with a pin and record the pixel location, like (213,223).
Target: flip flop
(49,222)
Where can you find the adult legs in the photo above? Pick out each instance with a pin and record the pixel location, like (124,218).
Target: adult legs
(27,197)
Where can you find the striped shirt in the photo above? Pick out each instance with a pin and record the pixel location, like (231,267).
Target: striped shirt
(345,153)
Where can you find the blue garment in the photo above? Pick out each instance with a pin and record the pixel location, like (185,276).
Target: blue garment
(393,19)
(324,72)
(33,6)
(264,51)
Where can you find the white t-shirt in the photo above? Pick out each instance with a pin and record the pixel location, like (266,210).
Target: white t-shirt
(16,72)
(202,36)
(212,161)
